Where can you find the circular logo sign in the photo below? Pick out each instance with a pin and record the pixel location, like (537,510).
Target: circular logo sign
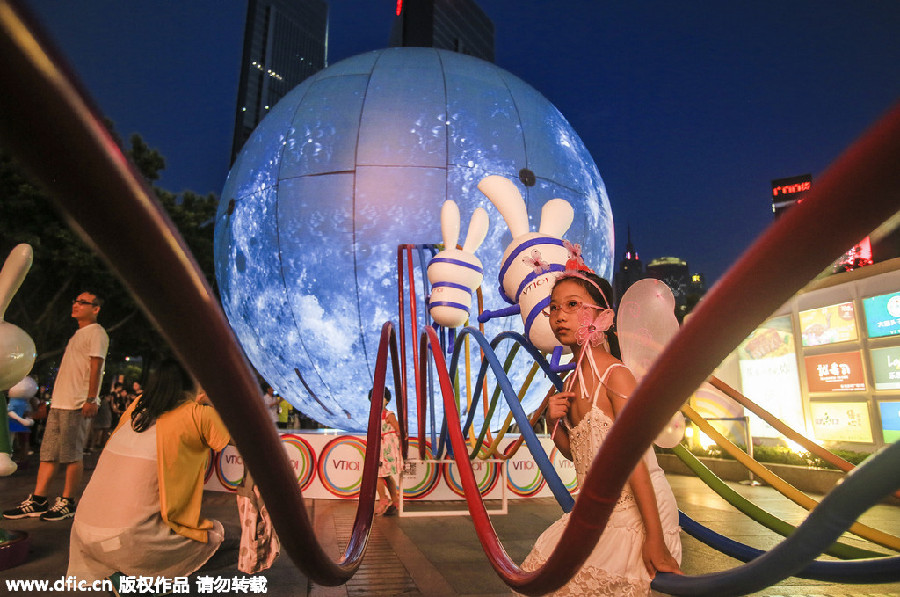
(486,476)
(893,305)
(302,458)
(523,477)
(229,468)
(420,477)
(566,470)
(340,466)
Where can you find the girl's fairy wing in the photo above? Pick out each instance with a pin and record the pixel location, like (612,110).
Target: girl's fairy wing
(646,323)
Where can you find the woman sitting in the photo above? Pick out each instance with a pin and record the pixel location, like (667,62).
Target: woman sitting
(140,513)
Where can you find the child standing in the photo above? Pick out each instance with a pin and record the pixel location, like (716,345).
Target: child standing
(390,460)
(642,534)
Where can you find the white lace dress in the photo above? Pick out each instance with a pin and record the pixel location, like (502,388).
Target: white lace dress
(615,566)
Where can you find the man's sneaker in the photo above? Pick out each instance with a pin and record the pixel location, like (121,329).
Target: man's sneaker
(30,508)
(62,509)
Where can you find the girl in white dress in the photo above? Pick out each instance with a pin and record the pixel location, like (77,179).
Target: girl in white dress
(642,534)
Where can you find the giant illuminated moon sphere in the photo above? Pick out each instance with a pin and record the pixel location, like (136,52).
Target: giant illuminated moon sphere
(356,160)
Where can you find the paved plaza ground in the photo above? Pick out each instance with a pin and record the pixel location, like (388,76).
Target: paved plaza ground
(442,556)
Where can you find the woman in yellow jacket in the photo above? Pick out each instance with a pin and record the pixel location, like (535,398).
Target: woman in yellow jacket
(140,513)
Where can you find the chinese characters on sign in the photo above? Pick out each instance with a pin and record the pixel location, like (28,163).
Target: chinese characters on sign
(841,421)
(841,372)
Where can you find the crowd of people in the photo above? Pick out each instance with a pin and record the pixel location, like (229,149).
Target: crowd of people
(26,439)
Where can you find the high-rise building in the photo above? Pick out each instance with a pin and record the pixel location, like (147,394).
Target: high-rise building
(285,41)
(631,269)
(676,275)
(789,191)
(456,25)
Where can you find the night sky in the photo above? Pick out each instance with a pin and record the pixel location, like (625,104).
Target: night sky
(689,109)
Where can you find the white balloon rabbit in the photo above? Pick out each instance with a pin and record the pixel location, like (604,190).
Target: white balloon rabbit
(16,346)
(455,273)
(17,352)
(532,260)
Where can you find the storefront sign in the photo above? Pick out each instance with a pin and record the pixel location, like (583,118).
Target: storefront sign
(886,367)
(841,421)
(827,325)
(842,372)
(769,375)
(890,421)
(882,315)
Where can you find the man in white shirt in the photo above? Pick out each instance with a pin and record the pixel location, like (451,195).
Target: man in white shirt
(73,404)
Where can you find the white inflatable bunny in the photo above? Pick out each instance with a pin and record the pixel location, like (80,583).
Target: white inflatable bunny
(532,260)
(17,352)
(454,274)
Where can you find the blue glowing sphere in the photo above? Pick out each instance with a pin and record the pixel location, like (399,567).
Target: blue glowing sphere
(356,160)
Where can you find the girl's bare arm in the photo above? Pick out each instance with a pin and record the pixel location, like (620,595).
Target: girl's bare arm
(620,385)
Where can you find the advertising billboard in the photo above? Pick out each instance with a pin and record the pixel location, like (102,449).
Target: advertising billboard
(828,325)
(841,421)
(886,367)
(769,375)
(840,372)
(890,421)
(882,315)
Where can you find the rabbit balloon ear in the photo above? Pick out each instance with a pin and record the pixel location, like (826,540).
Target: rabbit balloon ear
(450,224)
(508,201)
(556,217)
(13,274)
(478,228)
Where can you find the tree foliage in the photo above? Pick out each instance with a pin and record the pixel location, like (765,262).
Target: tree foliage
(64,265)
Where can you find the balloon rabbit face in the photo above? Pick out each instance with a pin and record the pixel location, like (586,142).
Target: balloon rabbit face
(454,274)
(533,260)
(17,351)
(26,388)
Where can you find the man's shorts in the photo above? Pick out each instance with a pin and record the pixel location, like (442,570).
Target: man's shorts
(64,436)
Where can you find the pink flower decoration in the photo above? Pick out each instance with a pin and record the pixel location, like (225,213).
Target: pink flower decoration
(591,327)
(574,250)
(539,265)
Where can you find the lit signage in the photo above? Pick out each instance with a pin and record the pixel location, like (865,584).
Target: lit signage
(769,375)
(886,368)
(787,191)
(890,421)
(882,315)
(841,421)
(841,372)
(827,325)
(860,255)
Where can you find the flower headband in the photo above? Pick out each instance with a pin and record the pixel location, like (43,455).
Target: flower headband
(576,268)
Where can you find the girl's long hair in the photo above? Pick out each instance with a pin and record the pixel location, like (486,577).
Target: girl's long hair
(602,297)
(169,386)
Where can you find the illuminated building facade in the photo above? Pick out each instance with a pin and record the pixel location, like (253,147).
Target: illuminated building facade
(687,288)
(674,272)
(285,41)
(455,25)
(826,363)
(788,191)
